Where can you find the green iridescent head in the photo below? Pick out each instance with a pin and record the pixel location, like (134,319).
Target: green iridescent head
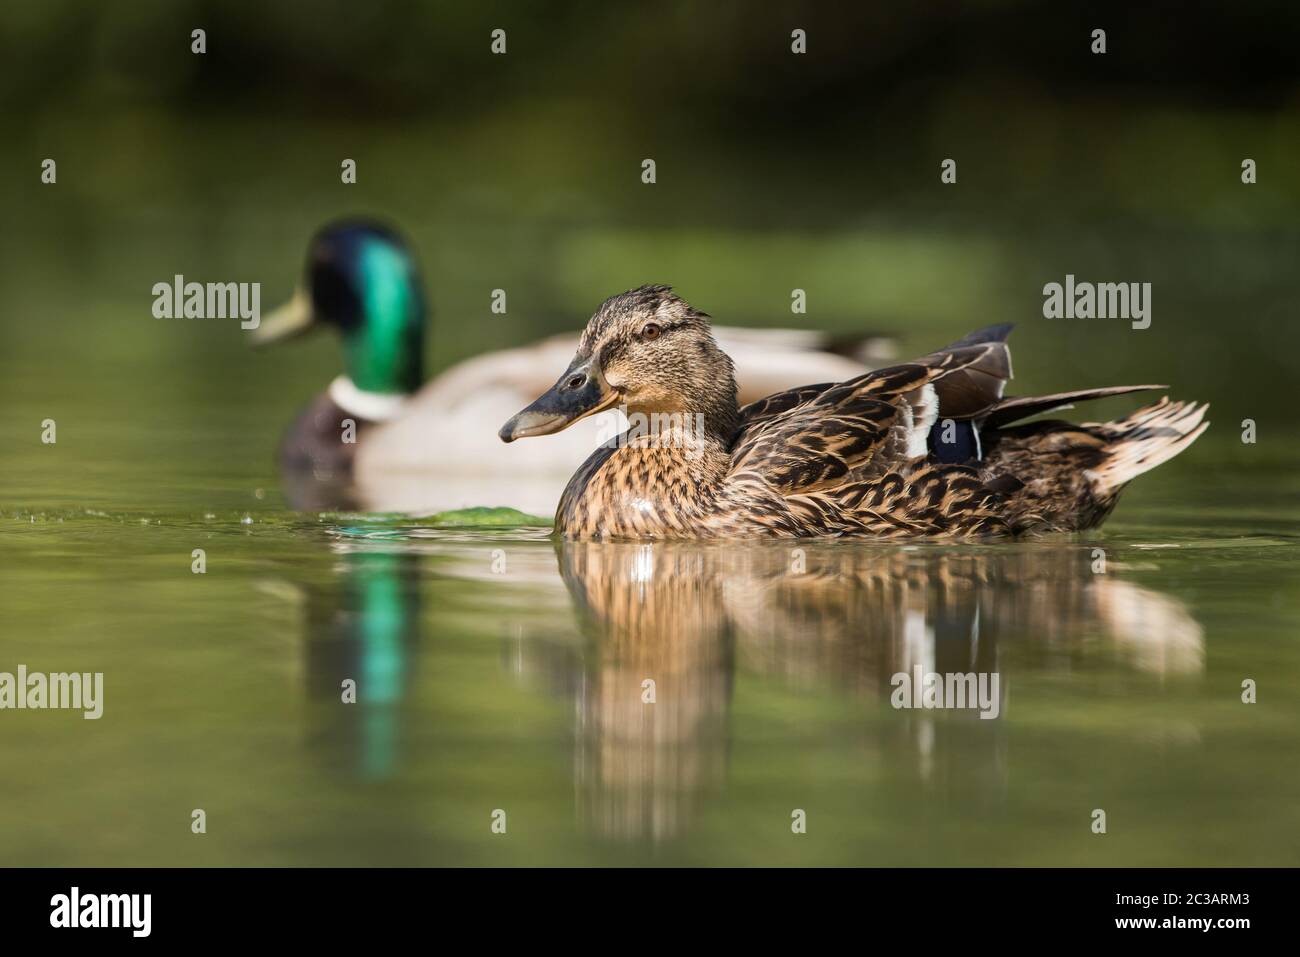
(362,280)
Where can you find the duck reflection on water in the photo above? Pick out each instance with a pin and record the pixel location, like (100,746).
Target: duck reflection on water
(827,618)
(665,631)
(361,636)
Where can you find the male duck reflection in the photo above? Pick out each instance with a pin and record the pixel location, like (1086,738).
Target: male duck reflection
(416,446)
(923,448)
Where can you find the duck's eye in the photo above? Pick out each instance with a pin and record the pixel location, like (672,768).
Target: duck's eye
(650,331)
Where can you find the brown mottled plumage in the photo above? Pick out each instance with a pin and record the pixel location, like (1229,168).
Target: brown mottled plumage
(924,448)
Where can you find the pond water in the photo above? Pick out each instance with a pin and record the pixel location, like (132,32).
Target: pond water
(499,671)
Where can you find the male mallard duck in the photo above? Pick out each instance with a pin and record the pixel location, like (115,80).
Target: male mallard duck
(419,446)
(361,279)
(923,448)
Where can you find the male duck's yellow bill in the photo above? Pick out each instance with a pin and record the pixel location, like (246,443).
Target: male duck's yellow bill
(293,318)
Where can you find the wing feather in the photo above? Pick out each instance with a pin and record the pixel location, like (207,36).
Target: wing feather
(820,437)
(1023,406)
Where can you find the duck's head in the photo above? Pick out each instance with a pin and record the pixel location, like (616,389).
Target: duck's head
(361,279)
(647,351)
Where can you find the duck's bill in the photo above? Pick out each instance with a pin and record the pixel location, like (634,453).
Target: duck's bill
(293,318)
(557,409)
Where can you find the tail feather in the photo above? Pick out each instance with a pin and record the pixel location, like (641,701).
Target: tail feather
(1139,442)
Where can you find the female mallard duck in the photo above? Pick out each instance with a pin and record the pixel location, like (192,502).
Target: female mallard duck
(417,446)
(923,448)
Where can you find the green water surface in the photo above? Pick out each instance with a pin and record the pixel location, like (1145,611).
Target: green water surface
(500,671)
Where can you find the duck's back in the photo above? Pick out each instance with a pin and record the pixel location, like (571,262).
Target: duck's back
(931,448)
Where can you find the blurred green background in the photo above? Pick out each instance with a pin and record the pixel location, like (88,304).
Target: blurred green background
(522,172)
(775,171)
